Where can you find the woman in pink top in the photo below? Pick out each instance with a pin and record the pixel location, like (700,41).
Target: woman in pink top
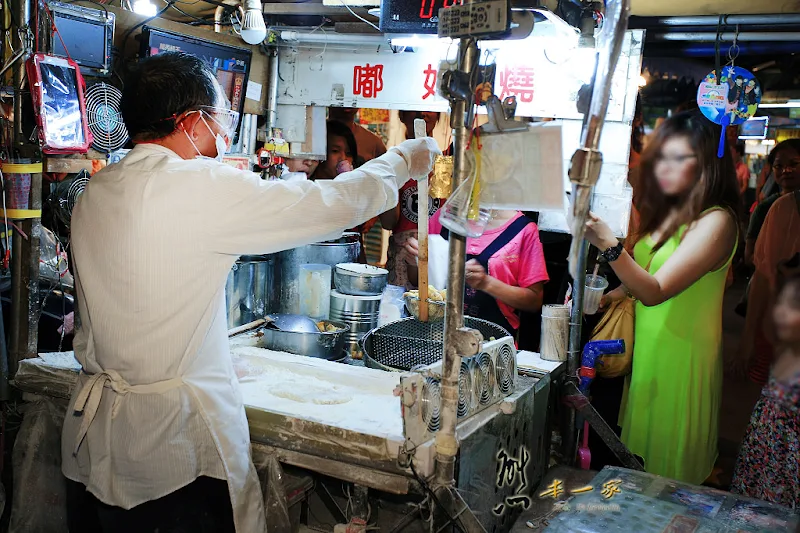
(505,267)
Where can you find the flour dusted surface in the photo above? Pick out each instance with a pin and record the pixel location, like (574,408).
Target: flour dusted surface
(353,398)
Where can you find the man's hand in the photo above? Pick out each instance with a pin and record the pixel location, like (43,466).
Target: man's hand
(419,154)
(476,276)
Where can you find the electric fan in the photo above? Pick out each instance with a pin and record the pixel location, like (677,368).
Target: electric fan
(64,196)
(105,119)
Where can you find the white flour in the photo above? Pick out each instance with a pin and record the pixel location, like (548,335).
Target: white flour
(353,398)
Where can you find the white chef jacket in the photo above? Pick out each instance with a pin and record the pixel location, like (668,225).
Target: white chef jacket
(153,239)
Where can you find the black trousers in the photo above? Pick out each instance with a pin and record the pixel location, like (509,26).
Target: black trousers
(203,506)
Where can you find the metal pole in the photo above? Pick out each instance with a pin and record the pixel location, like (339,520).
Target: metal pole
(728,20)
(777,36)
(272,89)
(446,443)
(25,250)
(569,441)
(20,30)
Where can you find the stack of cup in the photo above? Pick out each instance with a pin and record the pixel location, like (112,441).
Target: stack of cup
(555,332)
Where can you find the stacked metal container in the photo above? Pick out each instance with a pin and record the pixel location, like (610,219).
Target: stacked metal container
(357,300)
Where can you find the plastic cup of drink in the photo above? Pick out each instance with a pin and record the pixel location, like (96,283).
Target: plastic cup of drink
(593,293)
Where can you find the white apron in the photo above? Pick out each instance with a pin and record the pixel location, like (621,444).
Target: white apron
(214,389)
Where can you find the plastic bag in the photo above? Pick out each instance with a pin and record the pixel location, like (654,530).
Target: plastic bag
(438,259)
(392,306)
(53,265)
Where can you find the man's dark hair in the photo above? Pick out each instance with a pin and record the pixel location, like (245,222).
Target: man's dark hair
(162,87)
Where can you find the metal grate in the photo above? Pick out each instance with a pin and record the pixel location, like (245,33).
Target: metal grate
(407,343)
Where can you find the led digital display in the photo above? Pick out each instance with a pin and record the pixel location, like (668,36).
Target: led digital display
(417,16)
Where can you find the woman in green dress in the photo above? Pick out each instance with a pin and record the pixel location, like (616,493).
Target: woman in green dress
(686,239)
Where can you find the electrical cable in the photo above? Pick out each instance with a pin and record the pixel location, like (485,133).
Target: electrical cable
(359,17)
(199,20)
(128,33)
(428,489)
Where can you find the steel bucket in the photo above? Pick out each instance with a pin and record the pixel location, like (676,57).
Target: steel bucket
(287,270)
(249,288)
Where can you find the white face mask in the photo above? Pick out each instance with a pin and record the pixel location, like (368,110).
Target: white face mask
(219,142)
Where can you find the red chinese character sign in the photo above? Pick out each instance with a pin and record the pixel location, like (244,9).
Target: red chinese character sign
(544,82)
(430,81)
(367,80)
(516,80)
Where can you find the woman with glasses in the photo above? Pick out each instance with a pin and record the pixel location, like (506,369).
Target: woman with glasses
(785,164)
(688,233)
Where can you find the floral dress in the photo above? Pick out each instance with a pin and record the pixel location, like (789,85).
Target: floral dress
(768,467)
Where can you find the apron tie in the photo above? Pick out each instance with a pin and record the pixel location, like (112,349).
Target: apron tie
(88,399)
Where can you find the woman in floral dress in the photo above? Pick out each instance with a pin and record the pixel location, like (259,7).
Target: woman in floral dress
(768,467)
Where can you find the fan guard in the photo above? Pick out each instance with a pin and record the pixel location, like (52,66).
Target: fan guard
(464,390)
(105,119)
(484,378)
(506,369)
(431,404)
(65,195)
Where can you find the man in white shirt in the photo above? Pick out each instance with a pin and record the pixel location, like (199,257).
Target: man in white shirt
(156,437)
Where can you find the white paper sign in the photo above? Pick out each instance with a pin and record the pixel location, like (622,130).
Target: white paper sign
(253,91)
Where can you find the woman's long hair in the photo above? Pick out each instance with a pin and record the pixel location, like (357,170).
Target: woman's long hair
(716,184)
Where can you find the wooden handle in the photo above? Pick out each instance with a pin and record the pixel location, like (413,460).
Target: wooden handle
(246,327)
(422,230)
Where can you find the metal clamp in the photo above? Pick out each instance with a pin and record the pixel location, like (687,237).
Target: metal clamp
(585,167)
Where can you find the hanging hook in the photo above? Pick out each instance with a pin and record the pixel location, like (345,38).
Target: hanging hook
(733,51)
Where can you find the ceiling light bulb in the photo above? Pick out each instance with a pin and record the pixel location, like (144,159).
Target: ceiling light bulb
(145,7)
(254,31)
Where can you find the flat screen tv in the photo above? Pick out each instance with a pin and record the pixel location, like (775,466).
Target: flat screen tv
(755,128)
(230,63)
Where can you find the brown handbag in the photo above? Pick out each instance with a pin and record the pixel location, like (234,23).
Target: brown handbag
(616,323)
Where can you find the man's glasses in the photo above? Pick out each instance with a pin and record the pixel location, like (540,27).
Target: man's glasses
(225,118)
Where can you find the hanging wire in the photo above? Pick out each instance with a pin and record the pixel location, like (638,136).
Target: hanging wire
(359,17)
(733,51)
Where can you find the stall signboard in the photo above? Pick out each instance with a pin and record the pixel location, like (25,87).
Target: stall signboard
(546,75)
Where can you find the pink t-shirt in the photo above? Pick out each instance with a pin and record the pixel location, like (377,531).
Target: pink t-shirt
(520,263)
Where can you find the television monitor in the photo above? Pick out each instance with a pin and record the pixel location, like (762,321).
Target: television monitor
(755,128)
(87,34)
(230,63)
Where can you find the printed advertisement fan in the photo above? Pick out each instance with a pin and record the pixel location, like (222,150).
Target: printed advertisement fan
(105,119)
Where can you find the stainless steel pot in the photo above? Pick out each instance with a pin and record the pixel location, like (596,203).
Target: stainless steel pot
(287,293)
(360,280)
(329,345)
(248,289)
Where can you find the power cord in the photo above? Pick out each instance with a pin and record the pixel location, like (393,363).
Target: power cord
(427,488)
